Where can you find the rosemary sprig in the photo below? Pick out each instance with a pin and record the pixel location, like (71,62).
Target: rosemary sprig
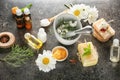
(18,56)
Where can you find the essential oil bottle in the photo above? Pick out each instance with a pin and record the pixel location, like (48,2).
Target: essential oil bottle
(42,35)
(33,41)
(19,18)
(115,51)
(27,19)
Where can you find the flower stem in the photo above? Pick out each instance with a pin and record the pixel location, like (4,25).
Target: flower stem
(67,6)
(71,5)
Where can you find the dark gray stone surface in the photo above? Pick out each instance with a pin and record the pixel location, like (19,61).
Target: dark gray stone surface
(104,70)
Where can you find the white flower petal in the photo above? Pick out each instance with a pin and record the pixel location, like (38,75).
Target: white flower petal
(93,15)
(85,12)
(45,67)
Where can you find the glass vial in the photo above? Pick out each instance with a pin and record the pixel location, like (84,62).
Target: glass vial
(33,41)
(114,52)
(27,18)
(42,35)
(19,18)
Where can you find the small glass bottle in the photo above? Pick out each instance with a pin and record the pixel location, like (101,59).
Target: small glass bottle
(114,52)
(42,35)
(33,41)
(27,18)
(19,18)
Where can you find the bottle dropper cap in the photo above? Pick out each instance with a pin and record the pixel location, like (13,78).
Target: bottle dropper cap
(116,42)
(41,30)
(42,35)
(26,11)
(18,12)
(27,35)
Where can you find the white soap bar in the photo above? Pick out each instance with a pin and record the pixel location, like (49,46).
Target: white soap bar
(87,60)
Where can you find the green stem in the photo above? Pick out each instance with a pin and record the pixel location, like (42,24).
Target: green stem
(67,6)
(71,5)
(28,6)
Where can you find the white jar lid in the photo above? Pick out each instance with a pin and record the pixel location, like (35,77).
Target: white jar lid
(18,12)
(27,35)
(26,11)
(116,42)
(41,30)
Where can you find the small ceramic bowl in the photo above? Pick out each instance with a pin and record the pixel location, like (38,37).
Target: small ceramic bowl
(60,54)
(56,23)
(7,39)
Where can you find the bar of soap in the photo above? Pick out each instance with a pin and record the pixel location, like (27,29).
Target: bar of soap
(87,60)
(102,30)
(99,37)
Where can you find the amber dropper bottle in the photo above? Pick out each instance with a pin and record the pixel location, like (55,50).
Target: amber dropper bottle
(19,18)
(27,19)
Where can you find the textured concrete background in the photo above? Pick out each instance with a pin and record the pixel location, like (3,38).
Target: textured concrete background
(104,70)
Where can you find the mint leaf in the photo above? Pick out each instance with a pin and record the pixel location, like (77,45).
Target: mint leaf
(87,51)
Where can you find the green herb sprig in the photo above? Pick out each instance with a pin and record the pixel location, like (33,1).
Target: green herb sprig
(18,56)
(87,51)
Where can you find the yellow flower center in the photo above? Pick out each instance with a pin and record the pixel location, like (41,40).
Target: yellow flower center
(76,12)
(45,60)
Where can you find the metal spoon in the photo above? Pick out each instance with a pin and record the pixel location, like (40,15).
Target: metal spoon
(85,30)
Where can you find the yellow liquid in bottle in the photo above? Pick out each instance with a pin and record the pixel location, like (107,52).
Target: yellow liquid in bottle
(33,41)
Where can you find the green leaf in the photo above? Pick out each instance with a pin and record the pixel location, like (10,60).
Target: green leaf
(28,6)
(87,51)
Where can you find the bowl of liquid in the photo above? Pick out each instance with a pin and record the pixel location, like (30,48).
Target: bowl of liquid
(63,24)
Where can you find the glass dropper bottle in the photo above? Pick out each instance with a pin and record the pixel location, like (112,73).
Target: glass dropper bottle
(33,41)
(115,51)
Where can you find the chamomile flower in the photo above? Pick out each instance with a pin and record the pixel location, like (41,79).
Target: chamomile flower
(84,9)
(76,11)
(92,15)
(45,61)
(80,11)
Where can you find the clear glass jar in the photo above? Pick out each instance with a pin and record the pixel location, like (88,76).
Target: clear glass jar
(115,51)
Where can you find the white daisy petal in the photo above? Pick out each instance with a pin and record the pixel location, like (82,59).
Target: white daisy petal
(82,11)
(44,51)
(76,11)
(49,52)
(45,62)
(93,15)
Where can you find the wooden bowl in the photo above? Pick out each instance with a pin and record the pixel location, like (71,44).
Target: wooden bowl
(7,39)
